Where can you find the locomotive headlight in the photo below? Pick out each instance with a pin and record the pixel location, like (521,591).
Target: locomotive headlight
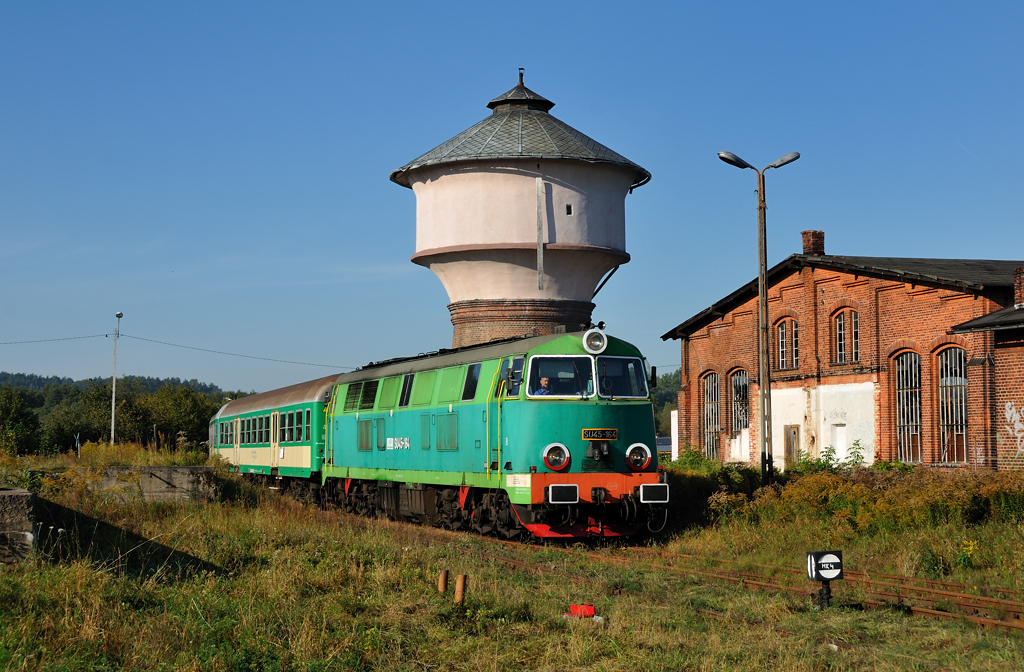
(638,456)
(556,457)
(594,341)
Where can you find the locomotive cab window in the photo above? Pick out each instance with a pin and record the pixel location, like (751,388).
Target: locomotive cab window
(403,399)
(561,377)
(623,377)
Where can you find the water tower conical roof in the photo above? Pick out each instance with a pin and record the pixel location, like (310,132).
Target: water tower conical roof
(520,127)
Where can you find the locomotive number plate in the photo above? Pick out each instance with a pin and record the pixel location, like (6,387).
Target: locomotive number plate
(600,435)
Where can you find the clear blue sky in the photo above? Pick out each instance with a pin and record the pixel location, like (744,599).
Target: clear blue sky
(219,172)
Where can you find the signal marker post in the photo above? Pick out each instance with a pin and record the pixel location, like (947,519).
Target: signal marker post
(824,566)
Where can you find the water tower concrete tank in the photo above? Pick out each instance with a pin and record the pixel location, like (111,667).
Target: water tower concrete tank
(520,216)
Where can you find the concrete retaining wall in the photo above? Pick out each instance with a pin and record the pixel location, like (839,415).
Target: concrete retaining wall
(16,519)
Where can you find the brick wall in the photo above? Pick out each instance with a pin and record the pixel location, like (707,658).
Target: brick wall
(485,320)
(894,317)
(1008,400)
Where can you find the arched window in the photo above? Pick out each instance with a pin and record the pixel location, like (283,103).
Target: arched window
(908,407)
(787,338)
(712,416)
(953,404)
(846,336)
(740,408)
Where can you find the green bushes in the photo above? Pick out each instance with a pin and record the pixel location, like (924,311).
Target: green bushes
(870,500)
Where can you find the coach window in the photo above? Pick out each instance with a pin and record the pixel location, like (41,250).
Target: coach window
(266,429)
(403,399)
(787,340)
(298,425)
(712,415)
(308,417)
(953,404)
(472,380)
(908,407)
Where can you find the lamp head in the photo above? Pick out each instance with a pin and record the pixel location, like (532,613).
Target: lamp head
(788,158)
(119,315)
(734,160)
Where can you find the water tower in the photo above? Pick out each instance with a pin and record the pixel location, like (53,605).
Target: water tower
(520,216)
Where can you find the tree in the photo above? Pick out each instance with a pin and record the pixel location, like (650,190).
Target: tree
(19,426)
(179,408)
(665,398)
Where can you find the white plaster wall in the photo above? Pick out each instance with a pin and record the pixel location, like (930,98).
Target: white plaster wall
(512,274)
(828,415)
(788,408)
(843,414)
(480,203)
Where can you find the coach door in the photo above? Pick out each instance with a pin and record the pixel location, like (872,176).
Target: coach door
(275,434)
(238,437)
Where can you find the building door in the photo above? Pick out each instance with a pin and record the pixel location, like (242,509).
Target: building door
(792,441)
(275,449)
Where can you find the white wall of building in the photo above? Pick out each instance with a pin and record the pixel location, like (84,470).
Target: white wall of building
(827,415)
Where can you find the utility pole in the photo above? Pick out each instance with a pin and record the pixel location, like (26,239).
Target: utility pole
(113,381)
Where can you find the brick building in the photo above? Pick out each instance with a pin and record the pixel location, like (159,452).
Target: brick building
(863,353)
(1006,327)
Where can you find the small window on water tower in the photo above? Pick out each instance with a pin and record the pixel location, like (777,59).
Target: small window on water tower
(568,208)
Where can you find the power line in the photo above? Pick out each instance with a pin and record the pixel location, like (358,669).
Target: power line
(234,354)
(50,340)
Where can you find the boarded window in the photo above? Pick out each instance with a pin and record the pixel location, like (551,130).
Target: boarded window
(382,434)
(712,416)
(953,404)
(403,400)
(369,395)
(389,392)
(908,407)
(352,397)
(451,384)
(472,381)
(364,429)
(423,388)
(448,431)
(425,427)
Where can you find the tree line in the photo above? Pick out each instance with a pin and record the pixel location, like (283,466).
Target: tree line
(57,416)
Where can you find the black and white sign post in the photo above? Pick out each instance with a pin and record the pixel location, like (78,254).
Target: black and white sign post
(824,566)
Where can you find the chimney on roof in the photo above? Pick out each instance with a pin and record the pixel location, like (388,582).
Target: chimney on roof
(814,243)
(1018,288)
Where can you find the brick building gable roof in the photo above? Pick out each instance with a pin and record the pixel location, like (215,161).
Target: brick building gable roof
(968,275)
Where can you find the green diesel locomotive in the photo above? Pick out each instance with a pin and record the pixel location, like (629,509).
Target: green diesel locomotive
(553,435)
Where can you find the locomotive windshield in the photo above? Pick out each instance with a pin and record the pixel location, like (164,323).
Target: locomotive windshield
(621,377)
(552,376)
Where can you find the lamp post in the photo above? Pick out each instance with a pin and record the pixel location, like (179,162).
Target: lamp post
(113,381)
(764,438)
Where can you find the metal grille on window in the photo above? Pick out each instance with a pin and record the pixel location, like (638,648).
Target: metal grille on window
(740,409)
(953,404)
(841,338)
(854,336)
(908,407)
(712,416)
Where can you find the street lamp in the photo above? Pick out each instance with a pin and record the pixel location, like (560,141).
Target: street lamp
(764,439)
(113,381)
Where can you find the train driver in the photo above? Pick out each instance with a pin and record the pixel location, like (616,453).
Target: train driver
(543,388)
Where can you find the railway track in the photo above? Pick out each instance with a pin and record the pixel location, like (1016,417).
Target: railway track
(988,606)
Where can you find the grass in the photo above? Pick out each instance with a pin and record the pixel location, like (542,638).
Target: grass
(256,582)
(294,588)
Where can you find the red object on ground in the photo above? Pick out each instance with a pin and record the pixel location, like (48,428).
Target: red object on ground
(585,610)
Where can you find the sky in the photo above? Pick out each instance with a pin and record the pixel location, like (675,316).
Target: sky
(218,171)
